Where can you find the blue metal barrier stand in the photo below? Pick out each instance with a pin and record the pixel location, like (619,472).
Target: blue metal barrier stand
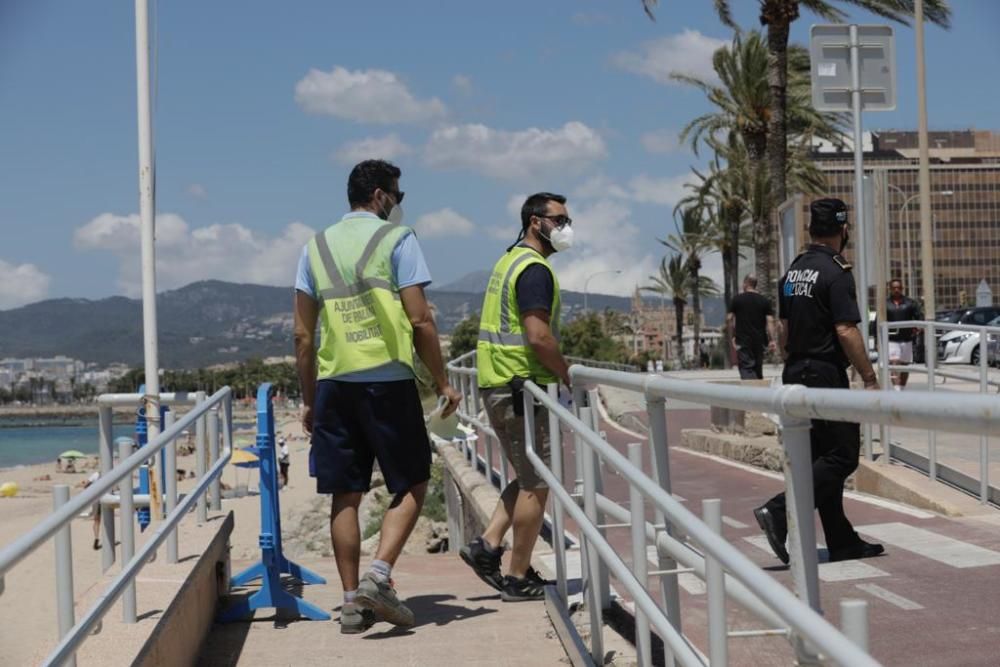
(273,562)
(143,512)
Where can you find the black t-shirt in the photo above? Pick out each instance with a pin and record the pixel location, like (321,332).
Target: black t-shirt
(907,310)
(817,292)
(751,311)
(534,289)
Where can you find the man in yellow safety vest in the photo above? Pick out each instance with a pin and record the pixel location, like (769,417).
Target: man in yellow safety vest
(363,280)
(518,341)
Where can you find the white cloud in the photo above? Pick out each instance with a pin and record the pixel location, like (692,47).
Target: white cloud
(388,147)
(364,96)
(606,240)
(197,190)
(21,284)
(462,82)
(183,254)
(598,187)
(660,141)
(445,222)
(516,155)
(666,191)
(689,52)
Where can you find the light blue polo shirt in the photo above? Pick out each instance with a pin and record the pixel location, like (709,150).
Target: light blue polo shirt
(409,268)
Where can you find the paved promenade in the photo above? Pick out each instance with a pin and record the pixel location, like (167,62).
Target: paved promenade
(460,621)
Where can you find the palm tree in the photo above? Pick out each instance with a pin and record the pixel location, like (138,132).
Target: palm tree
(672,282)
(693,241)
(778,16)
(739,123)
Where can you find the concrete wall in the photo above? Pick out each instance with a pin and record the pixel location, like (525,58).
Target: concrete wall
(177,638)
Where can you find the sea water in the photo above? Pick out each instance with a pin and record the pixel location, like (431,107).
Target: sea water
(27,445)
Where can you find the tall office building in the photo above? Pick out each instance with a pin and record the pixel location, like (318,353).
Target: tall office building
(965,205)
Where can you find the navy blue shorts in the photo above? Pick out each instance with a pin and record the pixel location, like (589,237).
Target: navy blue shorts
(355,423)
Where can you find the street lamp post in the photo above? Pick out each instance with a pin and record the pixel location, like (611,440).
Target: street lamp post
(910,286)
(587,282)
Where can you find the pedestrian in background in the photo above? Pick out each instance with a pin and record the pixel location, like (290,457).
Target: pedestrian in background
(284,459)
(819,337)
(901,308)
(750,322)
(363,280)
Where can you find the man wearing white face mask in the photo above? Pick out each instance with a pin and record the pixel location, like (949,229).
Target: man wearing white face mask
(363,280)
(518,341)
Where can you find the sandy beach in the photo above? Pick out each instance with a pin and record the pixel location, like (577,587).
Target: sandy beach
(28,606)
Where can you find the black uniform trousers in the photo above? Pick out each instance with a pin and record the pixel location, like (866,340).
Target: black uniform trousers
(835,449)
(750,359)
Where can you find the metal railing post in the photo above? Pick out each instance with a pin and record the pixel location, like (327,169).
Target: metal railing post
(215,488)
(656,411)
(854,621)
(799,503)
(884,433)
(64,569)
(107,455)
(640,561)
(200,456)
(930,359)
(984,443)
(593,560)
(170,485)
(558,519)
(593,399)
(715,584)
(127,512)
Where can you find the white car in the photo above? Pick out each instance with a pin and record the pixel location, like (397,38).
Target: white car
(962,347)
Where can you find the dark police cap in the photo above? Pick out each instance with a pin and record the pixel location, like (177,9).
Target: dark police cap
(827,216)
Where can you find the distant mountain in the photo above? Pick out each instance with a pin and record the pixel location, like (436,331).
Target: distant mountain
(212,321)
(474,283)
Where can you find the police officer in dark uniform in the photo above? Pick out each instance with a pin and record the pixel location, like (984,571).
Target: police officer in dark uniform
(819,337)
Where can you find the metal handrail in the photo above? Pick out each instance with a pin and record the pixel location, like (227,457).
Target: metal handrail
(610,365)
(60,519)
(794,611)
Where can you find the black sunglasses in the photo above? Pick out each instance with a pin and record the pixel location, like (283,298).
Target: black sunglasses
(398,195)
(560,220)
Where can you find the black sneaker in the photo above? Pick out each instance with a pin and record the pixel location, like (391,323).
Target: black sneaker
(532,575)
(484,562)
(522,590)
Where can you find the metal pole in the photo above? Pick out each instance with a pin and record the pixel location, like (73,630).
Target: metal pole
(984,443)
(669,589)
(128,535)
(213,451)
(593,559)
(170,463)
(859,183)
(64,569)
(558,516)
(885,432)
(911,287)
(715,583)
(106,449)
(854,621)
(799,504)
(640,562)
(200,452)
(147,214)
(593,399)
(926,230)
(930,360)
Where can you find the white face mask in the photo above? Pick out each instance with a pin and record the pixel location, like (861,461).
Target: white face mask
(396,214)
(561,238)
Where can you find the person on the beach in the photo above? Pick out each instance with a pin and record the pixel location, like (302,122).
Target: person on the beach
(284,458)
(95,511)
(363,279)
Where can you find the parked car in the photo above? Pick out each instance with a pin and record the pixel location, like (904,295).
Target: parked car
(962,347)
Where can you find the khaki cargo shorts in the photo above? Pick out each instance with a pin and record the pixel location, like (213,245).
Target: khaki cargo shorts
(510,430)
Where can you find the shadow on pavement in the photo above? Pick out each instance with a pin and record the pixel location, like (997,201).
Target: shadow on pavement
(432,610)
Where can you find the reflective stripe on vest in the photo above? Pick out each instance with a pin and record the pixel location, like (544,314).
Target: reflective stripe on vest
(363,323)
(503,349)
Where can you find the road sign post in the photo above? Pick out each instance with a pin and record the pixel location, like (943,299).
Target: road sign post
(854,70)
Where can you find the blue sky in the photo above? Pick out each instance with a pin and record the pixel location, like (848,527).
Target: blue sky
(261,108)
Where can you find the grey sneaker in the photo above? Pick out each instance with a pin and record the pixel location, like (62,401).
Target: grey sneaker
(355,620)
(381,598)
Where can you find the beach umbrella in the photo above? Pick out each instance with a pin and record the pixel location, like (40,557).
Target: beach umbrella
(244,458)
(72,454)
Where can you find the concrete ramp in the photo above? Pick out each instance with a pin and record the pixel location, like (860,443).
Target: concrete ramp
(460,621)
